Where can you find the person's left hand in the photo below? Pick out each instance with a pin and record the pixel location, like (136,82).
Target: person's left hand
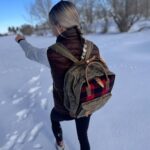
(19,37)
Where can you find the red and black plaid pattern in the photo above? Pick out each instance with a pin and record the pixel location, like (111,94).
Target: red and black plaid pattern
(95,89)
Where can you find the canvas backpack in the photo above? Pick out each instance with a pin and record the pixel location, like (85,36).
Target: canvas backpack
(87,84)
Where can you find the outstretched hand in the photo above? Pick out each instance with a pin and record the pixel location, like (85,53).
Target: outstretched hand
(19,37)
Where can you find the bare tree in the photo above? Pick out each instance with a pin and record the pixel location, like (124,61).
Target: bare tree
(86,9)
(39,10)
(26,29)
(125,13)
(146,8)
(101,12)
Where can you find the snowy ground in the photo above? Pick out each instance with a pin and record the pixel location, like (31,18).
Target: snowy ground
(26,97)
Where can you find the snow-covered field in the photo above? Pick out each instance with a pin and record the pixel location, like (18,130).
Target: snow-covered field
(26,97)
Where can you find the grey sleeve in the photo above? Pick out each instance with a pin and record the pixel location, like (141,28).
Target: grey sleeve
(33,53)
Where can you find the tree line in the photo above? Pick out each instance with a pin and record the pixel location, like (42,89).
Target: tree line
(25,29)
(125,13)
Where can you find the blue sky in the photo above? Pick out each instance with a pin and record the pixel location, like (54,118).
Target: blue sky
(13,13)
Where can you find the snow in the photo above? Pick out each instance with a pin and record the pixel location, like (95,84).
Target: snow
(142,24)
(26,97)
(44,103)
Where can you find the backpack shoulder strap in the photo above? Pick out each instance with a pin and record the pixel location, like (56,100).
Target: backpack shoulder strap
(61,49)
(89,47)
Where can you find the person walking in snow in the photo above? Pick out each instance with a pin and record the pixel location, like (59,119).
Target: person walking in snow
(65,23)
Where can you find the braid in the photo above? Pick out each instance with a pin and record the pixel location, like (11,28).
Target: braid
(83,43)
(79,29)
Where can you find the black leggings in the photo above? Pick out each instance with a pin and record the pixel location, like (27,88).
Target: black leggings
(82,125)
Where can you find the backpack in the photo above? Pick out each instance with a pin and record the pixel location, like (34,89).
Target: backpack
(87,84)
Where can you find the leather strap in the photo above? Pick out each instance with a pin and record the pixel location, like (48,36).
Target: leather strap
(58,47)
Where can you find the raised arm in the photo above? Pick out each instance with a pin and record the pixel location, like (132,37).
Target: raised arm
(33,53)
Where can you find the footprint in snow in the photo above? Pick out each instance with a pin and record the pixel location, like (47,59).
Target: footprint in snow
(42,69)
(3,102)
(50,89)
(38,146)
(14,96)
(23,114)
(18,100)
(22,137)
(34,79)
(40,93)
(44,103)
(11,142)
(35,131)
(34,89)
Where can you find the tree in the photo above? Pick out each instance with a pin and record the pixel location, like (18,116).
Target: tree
(13,29)
(86,9)
(146,8)
(125,13)
(26,29)
(39,10)
(102,13)
(9,29)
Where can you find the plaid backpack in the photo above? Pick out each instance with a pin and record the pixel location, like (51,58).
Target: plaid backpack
(87,84)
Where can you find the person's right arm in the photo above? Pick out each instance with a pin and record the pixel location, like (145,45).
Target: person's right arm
(33,53)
